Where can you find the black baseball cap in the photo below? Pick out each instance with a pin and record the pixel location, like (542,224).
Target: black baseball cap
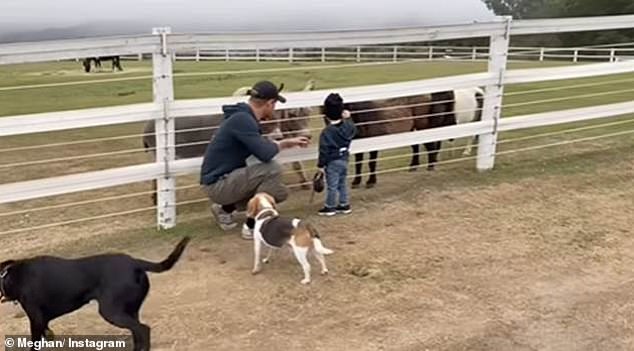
(266,90)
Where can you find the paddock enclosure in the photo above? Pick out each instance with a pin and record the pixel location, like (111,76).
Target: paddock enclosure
(524,245)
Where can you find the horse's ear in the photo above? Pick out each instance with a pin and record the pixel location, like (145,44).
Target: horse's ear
(310,85)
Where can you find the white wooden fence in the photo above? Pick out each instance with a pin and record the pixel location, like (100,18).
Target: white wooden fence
(396,53)
(162,45)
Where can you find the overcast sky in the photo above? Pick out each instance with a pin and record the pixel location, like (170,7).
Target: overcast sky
(239,15)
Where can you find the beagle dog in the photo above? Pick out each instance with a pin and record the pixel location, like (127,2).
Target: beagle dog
(274,232)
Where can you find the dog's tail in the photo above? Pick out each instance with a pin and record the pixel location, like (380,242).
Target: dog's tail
(319,246)
(168,263)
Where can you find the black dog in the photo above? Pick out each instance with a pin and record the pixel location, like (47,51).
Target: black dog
(48,287)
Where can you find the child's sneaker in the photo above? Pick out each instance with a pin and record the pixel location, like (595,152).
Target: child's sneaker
(344,209)
(327,211)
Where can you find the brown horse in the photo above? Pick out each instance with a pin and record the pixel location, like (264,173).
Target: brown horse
(401,115)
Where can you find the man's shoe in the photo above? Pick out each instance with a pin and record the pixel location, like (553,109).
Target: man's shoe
(247,233)
(223,219)
(238,213)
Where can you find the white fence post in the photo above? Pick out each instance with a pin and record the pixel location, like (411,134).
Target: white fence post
(197,55)
(395,54)
(290,55)
(541,54)
(140,57)
(358,54)
(474,53)
(612,55)
(492,107)
(257,54)
(575,57)
(165,146)
(431,52)
(323,54)
(227,55)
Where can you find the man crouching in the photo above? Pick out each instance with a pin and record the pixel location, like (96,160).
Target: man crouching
(227,179)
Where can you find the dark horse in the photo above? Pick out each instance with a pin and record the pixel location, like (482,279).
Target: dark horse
(116,62)
(401,115)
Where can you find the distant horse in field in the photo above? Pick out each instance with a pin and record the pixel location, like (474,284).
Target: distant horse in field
(193,134)
(116,62)
(413,113)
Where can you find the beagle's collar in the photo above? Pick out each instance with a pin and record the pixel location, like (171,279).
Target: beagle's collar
(272,212)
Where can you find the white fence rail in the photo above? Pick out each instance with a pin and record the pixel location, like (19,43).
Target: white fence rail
(162,46)
(401,53)
(396,53)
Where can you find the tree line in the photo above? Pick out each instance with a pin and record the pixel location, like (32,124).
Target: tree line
(530,9)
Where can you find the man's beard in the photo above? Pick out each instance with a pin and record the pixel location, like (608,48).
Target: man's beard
(269,115)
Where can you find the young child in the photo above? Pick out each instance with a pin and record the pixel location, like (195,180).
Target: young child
(334,144)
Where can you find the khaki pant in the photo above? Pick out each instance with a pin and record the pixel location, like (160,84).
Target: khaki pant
(239,186)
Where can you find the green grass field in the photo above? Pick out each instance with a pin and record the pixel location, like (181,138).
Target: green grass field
(222,78)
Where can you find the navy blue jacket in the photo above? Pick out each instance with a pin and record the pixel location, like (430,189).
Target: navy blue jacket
(238,137)
(334,142)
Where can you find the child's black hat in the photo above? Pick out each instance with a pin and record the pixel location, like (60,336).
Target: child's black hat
(333,107)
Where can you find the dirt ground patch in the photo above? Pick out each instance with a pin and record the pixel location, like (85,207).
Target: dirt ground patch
(543,263)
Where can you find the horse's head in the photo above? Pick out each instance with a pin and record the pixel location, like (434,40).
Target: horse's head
(272,128)
(295,122)
(288,123)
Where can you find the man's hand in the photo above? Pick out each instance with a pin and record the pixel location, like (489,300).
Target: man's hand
(293,142)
